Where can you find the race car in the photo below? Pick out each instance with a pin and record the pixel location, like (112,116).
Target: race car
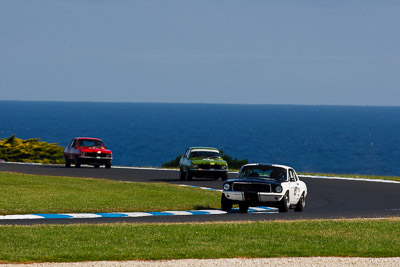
(86,150)
(267,185)
(202,162)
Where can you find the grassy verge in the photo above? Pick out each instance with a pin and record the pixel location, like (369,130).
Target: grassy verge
(69,243)
(22,194)
(393,178)
(57,243)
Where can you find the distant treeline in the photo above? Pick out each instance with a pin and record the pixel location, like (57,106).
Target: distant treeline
(31,150)
(233,163)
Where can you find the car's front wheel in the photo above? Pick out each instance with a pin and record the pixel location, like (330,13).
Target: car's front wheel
(108,165)
(224,177)
(226,204)
(77,164)
(285,203)
(182,175)
(301,204)
(189,176)
(67,163)
(243,207)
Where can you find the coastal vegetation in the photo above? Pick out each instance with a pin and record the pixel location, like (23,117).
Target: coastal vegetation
(172,163)
(33,150)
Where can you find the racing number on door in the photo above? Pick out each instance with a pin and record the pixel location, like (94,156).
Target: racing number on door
(293,185)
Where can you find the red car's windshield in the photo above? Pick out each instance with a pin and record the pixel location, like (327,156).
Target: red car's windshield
(90,143)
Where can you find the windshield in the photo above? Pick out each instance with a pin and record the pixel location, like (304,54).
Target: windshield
(204,154)
(90,143)
(263,172)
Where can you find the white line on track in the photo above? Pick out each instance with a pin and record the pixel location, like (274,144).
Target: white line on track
(131,214)
(350,179)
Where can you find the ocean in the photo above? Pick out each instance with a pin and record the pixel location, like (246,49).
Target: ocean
(323,139)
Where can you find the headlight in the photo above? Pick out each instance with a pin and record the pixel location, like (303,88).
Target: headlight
(278,189)
(194,166)
(83,154)
(224,167)
(226,186)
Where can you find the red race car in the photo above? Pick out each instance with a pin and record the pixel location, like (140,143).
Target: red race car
(85,150)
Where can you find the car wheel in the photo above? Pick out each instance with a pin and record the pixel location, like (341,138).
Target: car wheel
(224,177)
(243,207)
(189,176)
(77,164)
(226,204)
(301,204)
(182,175)
(67,163)
(285,203)
(96,166)
(108,165)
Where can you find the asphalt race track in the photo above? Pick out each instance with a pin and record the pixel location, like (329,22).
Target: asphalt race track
(327,198)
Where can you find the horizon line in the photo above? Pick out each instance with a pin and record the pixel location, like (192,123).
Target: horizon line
(197,103)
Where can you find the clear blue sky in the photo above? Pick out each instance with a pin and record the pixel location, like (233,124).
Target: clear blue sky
(227,51)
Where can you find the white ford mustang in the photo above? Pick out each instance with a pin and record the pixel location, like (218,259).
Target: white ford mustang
(265,184)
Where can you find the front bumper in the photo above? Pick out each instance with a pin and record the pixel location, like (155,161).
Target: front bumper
(253,197)
(94,160)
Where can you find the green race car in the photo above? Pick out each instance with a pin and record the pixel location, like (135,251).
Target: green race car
(202,162)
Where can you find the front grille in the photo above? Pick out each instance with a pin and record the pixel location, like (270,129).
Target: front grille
(95,155)
(252,187)
(208,166)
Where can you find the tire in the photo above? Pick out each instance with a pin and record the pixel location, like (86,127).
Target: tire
(243,207)
(226,204)
(285,203)
(301,204)
(77,164)
(108,165)
(224,177)
(96,166)
(189,176)
(182,175)
(67,163)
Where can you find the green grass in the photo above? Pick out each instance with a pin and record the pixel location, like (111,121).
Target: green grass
(60,243)
(22,194)
(393,178)
(25,194)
